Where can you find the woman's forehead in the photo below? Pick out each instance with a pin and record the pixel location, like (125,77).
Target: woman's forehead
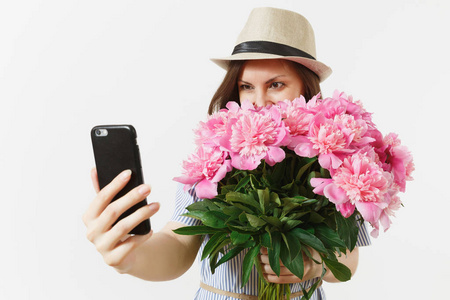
(267,67)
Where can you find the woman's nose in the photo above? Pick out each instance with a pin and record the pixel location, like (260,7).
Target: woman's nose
(261,99)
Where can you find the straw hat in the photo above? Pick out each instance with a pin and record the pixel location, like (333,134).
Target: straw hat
(272,33)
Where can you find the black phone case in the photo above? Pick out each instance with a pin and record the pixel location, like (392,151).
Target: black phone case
(114,152)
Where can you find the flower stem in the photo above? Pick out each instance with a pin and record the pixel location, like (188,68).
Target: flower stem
(273,291)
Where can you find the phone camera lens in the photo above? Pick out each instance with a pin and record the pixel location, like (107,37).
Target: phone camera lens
(101,132)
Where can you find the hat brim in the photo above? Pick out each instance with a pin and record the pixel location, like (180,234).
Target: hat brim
(322,70)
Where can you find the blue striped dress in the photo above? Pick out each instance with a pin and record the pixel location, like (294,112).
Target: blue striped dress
(227,276)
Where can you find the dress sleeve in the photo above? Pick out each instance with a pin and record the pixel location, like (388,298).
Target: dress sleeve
(183,199)
(363,238)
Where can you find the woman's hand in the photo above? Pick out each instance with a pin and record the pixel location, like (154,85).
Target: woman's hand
(311,269)
(113,242)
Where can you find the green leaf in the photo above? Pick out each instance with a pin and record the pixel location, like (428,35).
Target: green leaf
(214,219)
(310,201)
(195,214)
(274,253)
(303,169)
(229,255)
(278,172)
(239,238)
(247,265)
(276,213)
(322,201)
(255,221)
(232,211)
(227,188)
(315,217)
(324,173)
(347,229)
(243,218)
(242,229)
(194,230)
(309,255)
(288,206)
(283,237)
(328,236)
(291,224)
(273,221)
(284,254)
(221,203)
(213,261)
(264,181)
(296,265)
(308,294)
(274,198)
(254,182)
(236,173)
(309,239)
(297,215)
(214,241)
(243,207)
(216,251)
(299,200)
(234,197)
(294,245)
(204,205)
(288,186)
(242,183)
(339,270)
(264,199)
(266,240)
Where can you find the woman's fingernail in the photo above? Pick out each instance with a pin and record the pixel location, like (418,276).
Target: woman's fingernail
(125,174)
(153,205)
(144,190)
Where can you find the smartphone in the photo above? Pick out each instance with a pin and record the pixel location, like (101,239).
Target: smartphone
(116,150)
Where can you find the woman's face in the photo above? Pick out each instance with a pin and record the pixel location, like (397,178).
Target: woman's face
(265,82)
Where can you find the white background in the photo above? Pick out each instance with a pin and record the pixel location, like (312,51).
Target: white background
(66,66)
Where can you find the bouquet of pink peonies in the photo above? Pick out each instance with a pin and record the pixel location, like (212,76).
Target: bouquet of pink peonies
(292,177)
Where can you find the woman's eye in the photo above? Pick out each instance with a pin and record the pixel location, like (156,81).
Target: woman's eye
(276,85)
(245,87)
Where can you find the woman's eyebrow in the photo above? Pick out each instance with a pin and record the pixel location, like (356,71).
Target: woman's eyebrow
(244,82)
(274,78)
(267,82)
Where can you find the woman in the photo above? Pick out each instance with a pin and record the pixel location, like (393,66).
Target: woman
(274,60)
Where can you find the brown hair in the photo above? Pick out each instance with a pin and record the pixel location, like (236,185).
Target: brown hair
(228,89)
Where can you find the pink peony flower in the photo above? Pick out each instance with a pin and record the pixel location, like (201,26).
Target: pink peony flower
(331,107)
(361,183)
(393,204)
(208,133)
(206,167)
(326,140)
(255,134)
(354,129)
(394,157)
(399,160)
(354,108)
(296,115)
(319,184)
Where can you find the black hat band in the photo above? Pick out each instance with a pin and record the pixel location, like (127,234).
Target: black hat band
(270,48)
